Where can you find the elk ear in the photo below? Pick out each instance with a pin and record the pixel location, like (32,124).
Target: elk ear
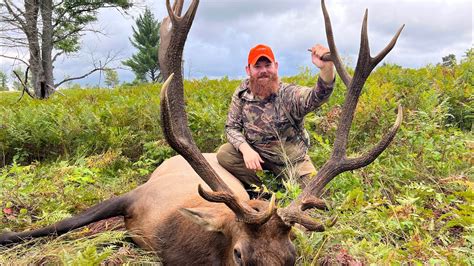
(208,218)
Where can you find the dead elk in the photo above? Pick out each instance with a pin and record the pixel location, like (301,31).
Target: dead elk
(196,212)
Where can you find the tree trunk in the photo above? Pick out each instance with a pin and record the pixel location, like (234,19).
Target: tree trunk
(41,66)
(47,48)
(31,31)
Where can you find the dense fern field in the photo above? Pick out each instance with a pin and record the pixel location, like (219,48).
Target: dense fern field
(414,204)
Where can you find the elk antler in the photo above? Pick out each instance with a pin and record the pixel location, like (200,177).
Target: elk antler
(173,33)
(338,162)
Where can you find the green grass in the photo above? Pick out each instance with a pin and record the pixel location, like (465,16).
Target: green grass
(413,205)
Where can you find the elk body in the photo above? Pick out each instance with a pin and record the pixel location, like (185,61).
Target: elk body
(191,210)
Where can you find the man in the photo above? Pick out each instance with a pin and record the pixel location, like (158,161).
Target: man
(265,123)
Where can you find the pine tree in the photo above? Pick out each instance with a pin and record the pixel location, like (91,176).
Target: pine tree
(146,38)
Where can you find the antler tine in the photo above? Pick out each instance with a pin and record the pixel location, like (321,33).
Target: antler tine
(334,167)
(175,12)
(300,218)
(364,50)
(338,162)
(365,62)
(171,13)
(371,155)
(388,48)
(191,11)
(243,214)
(165,111)
(178,31)
(313,202)
(178,7)
(344,75)
(174,118)
(361,73)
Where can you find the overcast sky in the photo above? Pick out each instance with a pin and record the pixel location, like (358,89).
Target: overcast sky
(225,30)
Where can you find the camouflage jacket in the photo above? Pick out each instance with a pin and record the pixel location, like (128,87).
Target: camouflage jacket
(266,124)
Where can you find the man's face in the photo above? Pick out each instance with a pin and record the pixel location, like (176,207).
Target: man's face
(262,69)
(263,77)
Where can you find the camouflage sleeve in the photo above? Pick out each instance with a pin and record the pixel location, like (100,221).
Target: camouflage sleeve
(304,99)
(233,125)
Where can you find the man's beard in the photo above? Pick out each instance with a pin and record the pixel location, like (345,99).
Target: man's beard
(264,87)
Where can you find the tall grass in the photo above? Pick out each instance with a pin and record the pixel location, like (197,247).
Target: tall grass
(413,205)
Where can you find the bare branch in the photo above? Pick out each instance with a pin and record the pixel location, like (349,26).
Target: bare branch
(97,67)
(17,17)
(79,77)
(56,90)
(57,55)
(7,19)
(13,45)
(60,38)
(21,12)
(24,84)
(15,58)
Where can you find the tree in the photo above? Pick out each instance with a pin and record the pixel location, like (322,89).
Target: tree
(3,81)
(146,38)
(111,78)
(469,53)
(48,29)
(449,60)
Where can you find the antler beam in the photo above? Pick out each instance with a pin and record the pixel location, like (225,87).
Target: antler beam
(338,162)
(173,31)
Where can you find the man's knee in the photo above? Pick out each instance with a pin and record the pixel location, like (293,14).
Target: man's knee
(227,155)
(223,155)
(233,161)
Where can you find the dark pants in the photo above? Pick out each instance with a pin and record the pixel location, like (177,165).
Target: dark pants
(233,161)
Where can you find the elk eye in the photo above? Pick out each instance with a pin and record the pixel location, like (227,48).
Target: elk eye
(237,256)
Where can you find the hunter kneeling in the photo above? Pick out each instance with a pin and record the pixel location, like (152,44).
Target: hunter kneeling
(265,124)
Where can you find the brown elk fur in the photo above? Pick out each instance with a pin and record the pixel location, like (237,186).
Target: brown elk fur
(270,242)
(155,220)
(166,215)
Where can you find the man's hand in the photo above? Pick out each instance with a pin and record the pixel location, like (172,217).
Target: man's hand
(326,67)
(252,159)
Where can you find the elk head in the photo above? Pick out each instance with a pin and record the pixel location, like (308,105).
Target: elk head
(257,221)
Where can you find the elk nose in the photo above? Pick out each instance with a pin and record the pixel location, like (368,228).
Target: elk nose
(237,256)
